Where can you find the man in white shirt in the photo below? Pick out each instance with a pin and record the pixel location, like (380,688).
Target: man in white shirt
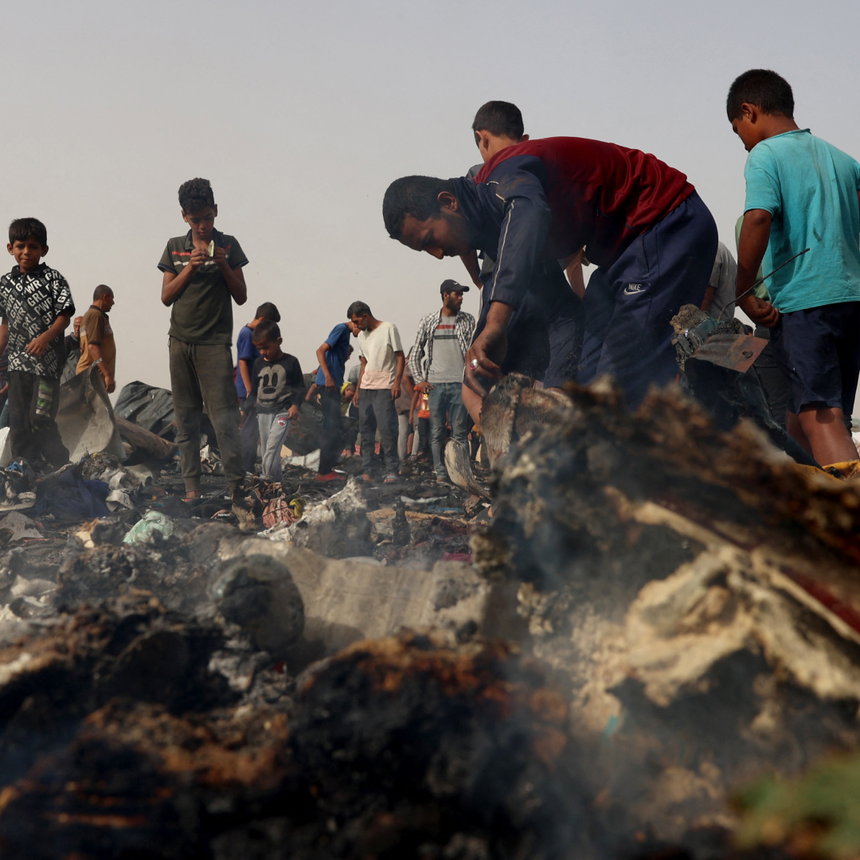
(382,363)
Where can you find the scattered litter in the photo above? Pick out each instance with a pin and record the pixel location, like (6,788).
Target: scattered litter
(67,496)
(19,527)
(283,510)
(143,473)
(151,523)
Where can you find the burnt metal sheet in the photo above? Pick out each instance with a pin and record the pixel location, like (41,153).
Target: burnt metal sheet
(735,351)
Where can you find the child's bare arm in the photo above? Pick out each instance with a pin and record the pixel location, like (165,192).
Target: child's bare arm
(755,234)
(245,372)
(38,345)
(4,334)
(173,285)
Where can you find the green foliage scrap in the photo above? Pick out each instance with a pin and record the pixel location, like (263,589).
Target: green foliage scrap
(817,814)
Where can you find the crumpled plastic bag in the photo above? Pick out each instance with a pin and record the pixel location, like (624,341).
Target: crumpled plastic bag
(280,510)
(152,522)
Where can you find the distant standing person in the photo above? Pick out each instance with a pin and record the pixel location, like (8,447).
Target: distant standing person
(36,306)
(382,365)
(97,341)
(202,278)
(72,344)
(277,389)
(332,355)
(436,363)
(246,356)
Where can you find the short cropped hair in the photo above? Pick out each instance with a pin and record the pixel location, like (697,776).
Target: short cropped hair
(196,194)
(417,196)
(100,291)
(266,330)
(501,119)
(22,229)
(358,309)
(768,91)
(268,311)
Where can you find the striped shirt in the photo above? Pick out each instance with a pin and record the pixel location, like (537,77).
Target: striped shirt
(421,356)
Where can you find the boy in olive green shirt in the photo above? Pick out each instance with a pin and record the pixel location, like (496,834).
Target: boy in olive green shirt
(202,278)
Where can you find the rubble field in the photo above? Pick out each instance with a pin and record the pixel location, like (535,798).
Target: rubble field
(658,615)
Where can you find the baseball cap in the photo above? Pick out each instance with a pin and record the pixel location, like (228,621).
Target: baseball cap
(451,286)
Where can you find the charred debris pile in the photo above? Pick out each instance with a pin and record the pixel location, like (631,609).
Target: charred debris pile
(658,615)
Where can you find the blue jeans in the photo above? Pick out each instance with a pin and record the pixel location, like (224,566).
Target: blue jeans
(445,399)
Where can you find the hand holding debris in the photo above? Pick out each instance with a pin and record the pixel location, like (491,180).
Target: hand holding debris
(490,342)
(761,312)
(198,257)
(220,257)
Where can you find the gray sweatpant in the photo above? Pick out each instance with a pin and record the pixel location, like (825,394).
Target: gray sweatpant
(273,430)
(202,375)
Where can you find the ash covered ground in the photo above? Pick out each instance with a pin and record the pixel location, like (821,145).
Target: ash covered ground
(657,615)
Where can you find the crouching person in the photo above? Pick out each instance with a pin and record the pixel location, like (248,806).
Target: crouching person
(277,389)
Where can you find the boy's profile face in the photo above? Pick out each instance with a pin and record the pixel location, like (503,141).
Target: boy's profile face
(201,222)
(27,253)
(747,127)
(269,349)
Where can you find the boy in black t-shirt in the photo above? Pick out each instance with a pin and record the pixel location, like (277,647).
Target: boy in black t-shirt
(36,307)
(202,278)
(277,389)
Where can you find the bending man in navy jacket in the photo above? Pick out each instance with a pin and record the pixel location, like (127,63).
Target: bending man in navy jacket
(639,220)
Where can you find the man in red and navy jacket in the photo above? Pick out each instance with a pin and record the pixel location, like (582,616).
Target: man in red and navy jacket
(653,239)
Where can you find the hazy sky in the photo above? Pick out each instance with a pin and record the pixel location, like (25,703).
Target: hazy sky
(301,114)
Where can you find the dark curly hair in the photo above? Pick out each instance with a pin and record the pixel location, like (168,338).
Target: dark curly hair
(266,330)
(22,229)
(502,119)
(196,194)
(768,91)
(417,196)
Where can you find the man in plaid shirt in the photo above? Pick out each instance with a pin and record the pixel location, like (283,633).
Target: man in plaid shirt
(436,365)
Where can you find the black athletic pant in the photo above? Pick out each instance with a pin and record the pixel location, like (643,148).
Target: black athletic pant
(33,433)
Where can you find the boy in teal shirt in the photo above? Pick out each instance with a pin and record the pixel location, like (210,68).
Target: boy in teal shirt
(802,192)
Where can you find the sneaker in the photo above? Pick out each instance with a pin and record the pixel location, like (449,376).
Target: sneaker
(390,479)
(329,476)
